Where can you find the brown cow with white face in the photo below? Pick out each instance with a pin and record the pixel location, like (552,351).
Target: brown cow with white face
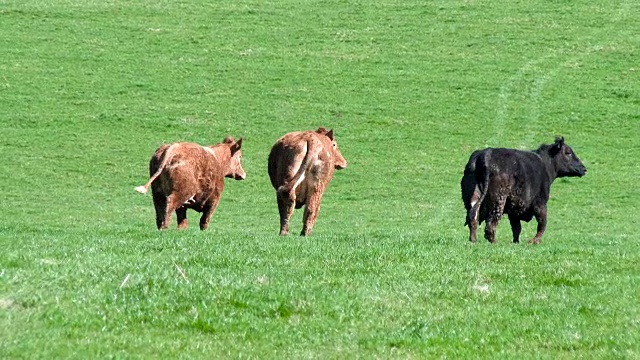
(191,176)
(301,165)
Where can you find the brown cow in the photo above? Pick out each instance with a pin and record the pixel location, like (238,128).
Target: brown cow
(187,175)
(301,165)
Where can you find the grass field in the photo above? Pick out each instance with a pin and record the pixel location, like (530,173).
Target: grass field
(89,89)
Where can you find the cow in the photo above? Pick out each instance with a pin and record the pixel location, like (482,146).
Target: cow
(186,175)
(498,181)
(301,165)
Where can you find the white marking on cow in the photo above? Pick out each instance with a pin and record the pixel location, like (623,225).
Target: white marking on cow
(298,182)
(175,165)
(473,203)
(210,151)
(191,200)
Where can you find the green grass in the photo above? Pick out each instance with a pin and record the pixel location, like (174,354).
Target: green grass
(89,89)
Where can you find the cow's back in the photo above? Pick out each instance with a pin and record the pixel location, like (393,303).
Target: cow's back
(523,168)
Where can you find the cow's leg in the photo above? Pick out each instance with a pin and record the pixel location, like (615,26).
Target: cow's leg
(473,214)
(209,208)
(166,221)
(207,212)
(516,228)
(182,212)
(311,210)
(160,204)
(493,219)
(473,230)
(174,202)
(541,217)
(282,211)
(168,211)
(182,217)
(286,205)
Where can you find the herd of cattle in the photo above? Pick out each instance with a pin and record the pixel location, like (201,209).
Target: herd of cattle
(496,181)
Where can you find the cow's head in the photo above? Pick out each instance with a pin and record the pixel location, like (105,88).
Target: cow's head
(565,160)
(339,161)
(235,170)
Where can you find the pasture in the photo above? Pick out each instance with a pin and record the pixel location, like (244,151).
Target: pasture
(89,89)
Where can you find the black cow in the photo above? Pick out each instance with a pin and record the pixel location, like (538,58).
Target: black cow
(515,182)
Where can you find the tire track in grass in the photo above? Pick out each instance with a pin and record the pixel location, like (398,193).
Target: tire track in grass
(530,124)
(506,92)
(533,124)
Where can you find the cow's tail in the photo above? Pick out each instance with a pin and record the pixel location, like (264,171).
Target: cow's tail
(481,171)
(312,151)
(166,158)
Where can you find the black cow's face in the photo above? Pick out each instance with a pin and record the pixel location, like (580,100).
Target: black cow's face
(567,162)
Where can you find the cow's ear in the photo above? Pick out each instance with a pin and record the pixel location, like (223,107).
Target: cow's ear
(235,147)
(557,146)
(229,140)
(330,134)
(321,130)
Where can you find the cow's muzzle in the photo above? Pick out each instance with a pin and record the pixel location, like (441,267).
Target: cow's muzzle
(579,171)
